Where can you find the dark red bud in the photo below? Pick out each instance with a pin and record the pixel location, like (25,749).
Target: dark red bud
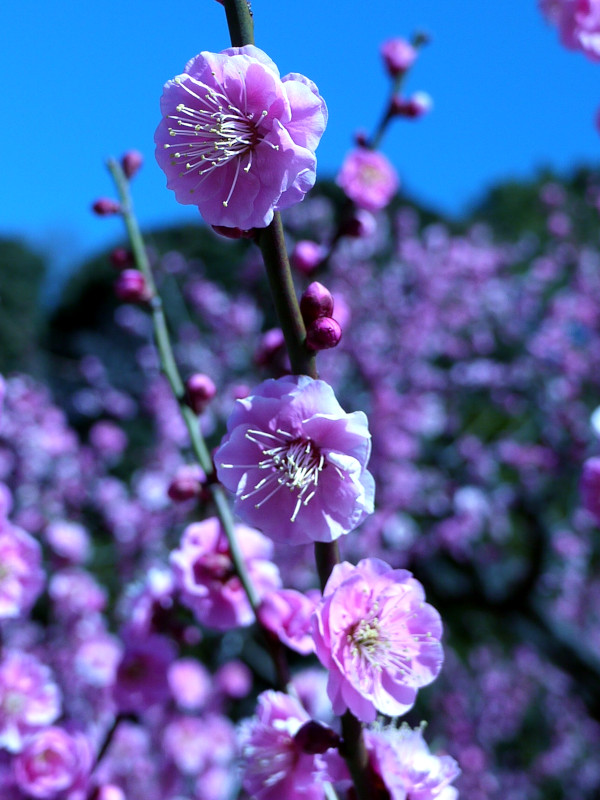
(314,738)
(105,206)
(121,258)
(199,391)
(131,287)
(131,162)
(316,302)
(323,333)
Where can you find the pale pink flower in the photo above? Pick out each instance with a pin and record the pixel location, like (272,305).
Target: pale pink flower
(54,763)
(297,461)
(237,140)
(29,698)
(21,574)
(377,637)
(401,757)
(275,766)
(368,178)
(206,578)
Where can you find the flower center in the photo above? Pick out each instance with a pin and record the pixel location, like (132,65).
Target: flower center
(292,462)
(367,642)
(212,132)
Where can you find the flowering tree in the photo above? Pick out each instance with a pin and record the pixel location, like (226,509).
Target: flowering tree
(183,626)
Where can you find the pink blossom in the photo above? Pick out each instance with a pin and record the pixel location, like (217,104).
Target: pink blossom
(206,578)
(29,698)
(400,756)
(398,55)
(53,762)
(377,637)
(297,461)
(190,683)
(578,22)
(141,679)
(237,140)
(287,613)
(275,766)
(21,574)
(368,178)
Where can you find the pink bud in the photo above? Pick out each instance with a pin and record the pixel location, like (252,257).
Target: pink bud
(398,56)
(316,302)
(306,256)
(313,738)
(199,391)
(105,206)
(412,107)
(323,333)
(131,287)
(121,258)
(184,487)
(361,225)
(131,162)
(270,347)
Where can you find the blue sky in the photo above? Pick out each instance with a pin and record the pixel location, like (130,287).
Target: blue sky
(82,82)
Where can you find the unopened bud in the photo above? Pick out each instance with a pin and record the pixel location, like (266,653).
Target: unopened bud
(314,738)
(131,287)
(412,107)
(105,206)
(121,258)
(398,56)
(360,225)
(323,333)
(187,483)
(306,256)
(316,302)
(131,162)
(199,391)
(271,345)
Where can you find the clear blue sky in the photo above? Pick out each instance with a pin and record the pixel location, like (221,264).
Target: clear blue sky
(82,81)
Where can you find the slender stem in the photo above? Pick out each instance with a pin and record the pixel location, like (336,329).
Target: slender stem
(272,244)
(239,22)
(171,371)
(357,758)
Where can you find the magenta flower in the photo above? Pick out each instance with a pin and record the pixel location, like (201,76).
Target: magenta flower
(578,22)
(401,758)
(297,461)
(275,766)
(206,578)
(21,574)
(377,637)
(52,763)
(368,178)
(398,55)
(29,698)
(237,140)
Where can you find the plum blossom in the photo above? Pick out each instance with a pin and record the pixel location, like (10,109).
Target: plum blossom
(237,140)
(297,461)
(578,22)
(287,613)
(29,698)
(377,637)
(21,574)
(401,757)
(368,178)
(206,577)
(52,763)
(275,765)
